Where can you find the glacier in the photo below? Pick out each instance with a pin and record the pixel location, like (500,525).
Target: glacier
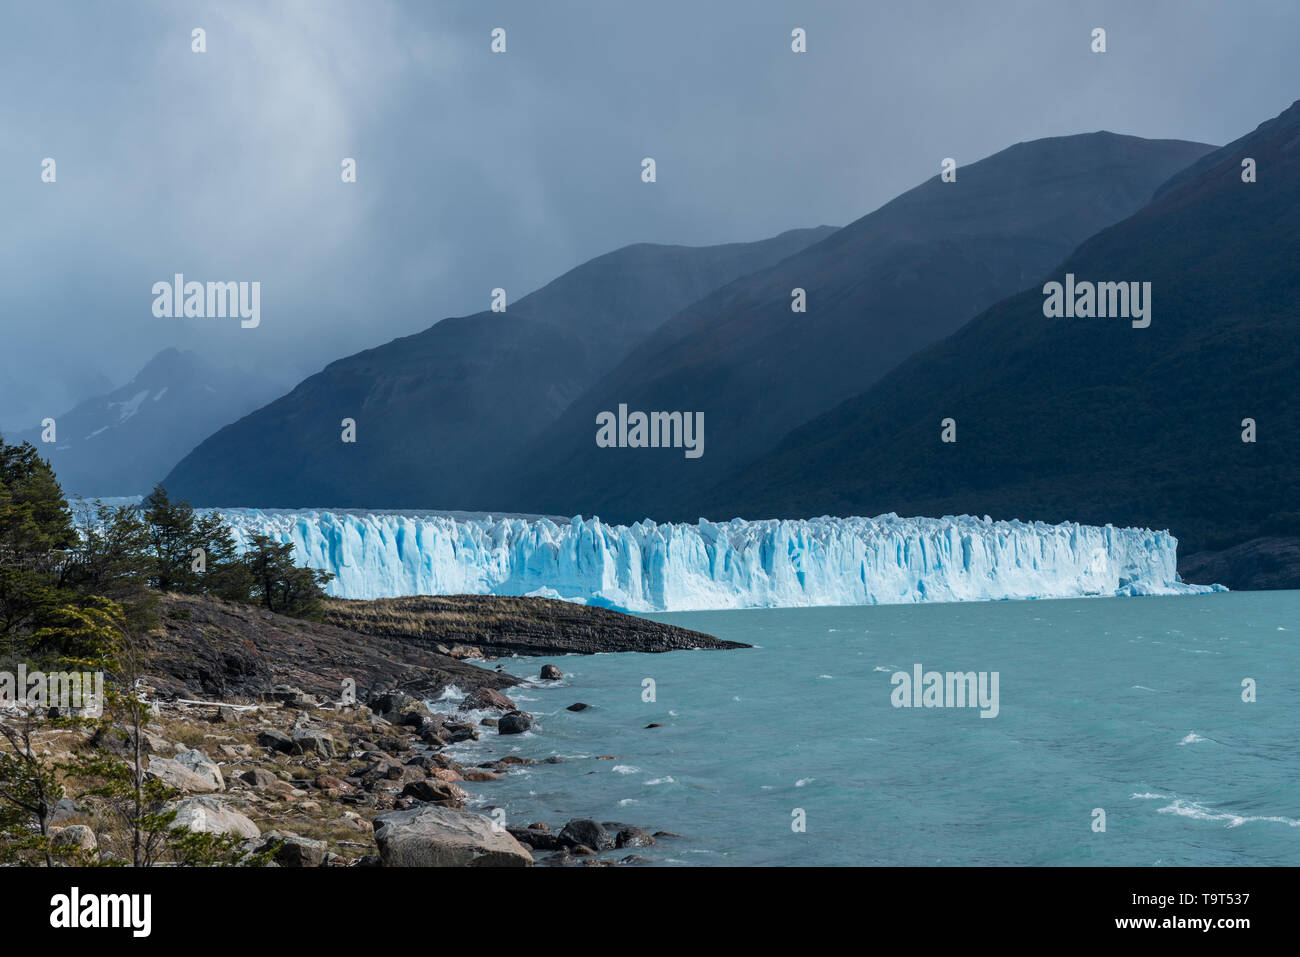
(649,567)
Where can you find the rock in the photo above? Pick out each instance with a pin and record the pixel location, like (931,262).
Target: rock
(275,740)
(485,699)
(203,766)
(434,791)
(76,836)
(388,701)
(515,722)
(295,851)
(583,832)
(489,722)
(429,836)
(481,776)
(654,725)
(259,778)
(176,775)
(327,782)
(577,706)
(207,815)
(536,838)
(290,696)
(313,742)
(227,715)
(634,837)
(633,859)
(561,858)
(67,808)
(551,673)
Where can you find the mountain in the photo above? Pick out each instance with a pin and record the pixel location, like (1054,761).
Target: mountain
(124,441)
(437,412)
(1092,419)
(878,290)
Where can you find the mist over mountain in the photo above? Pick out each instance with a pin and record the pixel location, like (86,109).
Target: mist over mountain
(1091,419)
(123,441)
(439,412)
(876,291)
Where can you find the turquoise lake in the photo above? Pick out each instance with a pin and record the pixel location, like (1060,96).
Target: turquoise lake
(1133,706)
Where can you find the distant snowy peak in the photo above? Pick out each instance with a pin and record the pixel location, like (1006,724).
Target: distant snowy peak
(737,564)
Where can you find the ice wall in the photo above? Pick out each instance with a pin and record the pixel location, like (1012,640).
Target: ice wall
(738,564)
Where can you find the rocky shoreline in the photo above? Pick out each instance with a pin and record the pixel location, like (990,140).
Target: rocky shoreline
(314,744)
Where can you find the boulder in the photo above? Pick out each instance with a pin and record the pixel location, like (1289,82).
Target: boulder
(76,836)
(486,699)
(536,838)
(577,706)
(67,808)
(290,697)
(295,851)
(259,778)
(551,673)
(207,815)
(434,791)
(429,836)
(203,766)
(583,832)
(275,740)
(176,775)
(309,741)
(634,837)
(515,722)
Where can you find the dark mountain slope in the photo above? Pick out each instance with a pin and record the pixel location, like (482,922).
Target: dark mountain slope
(893,282)
(438,411)
(1092,420)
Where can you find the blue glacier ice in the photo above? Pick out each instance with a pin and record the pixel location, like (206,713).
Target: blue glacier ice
(737,564)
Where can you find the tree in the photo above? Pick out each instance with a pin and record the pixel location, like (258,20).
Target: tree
(35,528)
(281,586)
(226,575)
(170,538)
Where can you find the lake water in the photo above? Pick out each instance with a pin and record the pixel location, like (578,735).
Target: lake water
(1133,706)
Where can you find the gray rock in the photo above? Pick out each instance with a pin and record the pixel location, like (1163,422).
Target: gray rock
(308,741)
(514,722)
(176,775)
(430,836)
(486,699)
(583,832)
(67,808)
(634,837)
(76,836)
(207,815)
(203,766)
(551,673)
(295,851)
(275,740)
(258,778)
(434,791)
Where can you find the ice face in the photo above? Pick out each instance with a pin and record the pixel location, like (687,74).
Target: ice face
(738,564)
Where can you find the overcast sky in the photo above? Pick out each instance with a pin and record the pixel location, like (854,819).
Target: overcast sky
(478,170)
